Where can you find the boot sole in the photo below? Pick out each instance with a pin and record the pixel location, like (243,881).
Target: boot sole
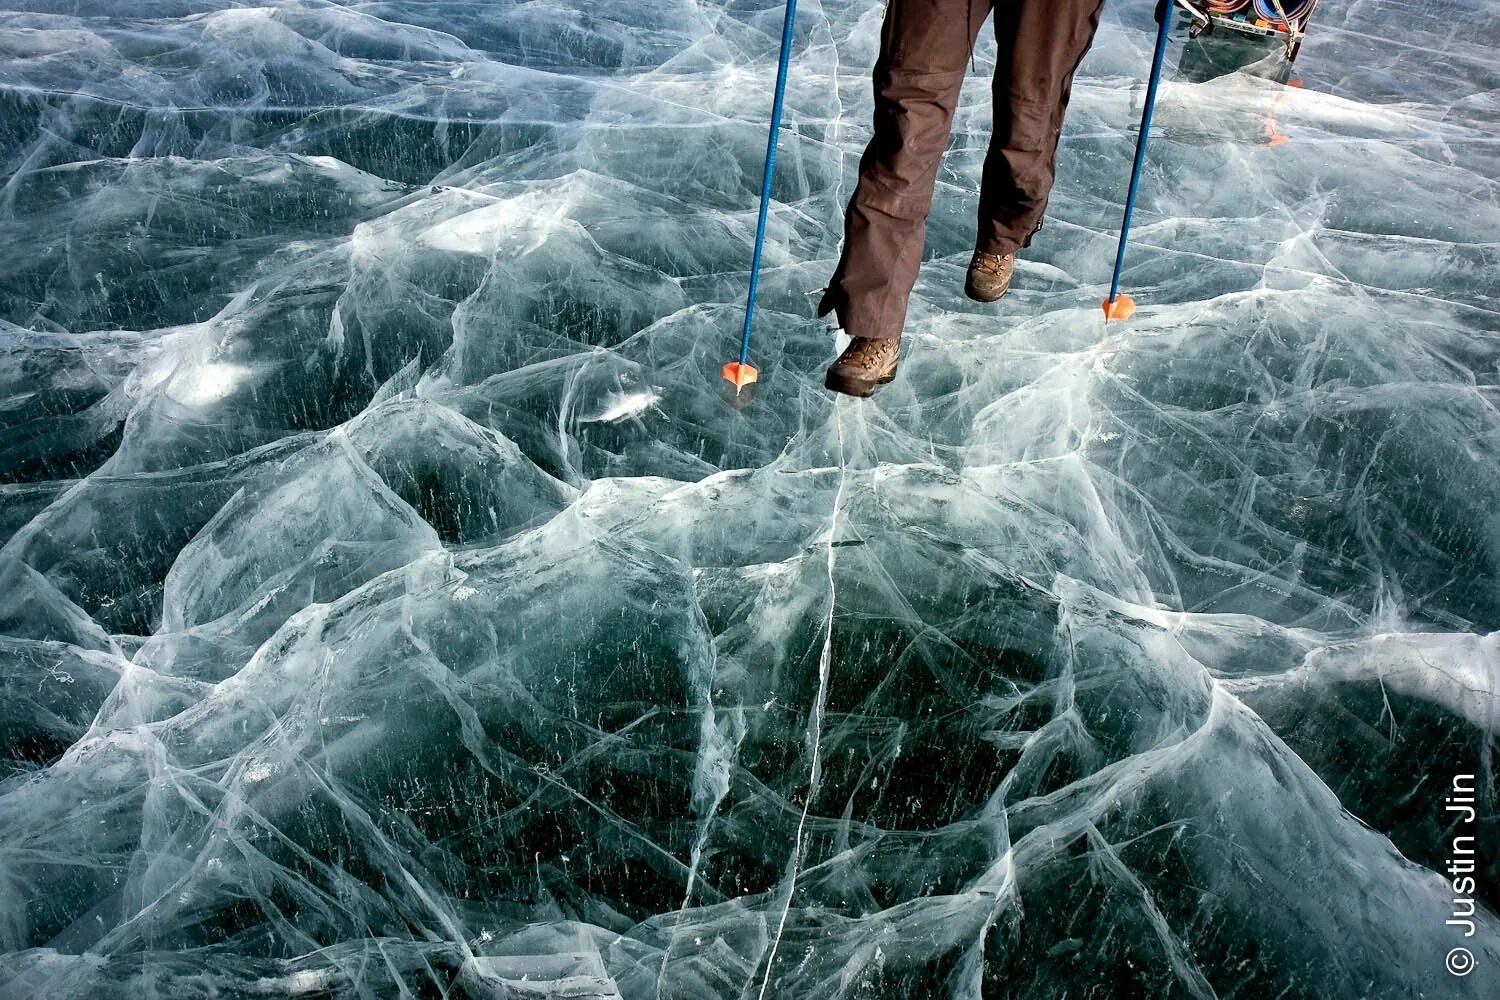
(858,387)
(974,294)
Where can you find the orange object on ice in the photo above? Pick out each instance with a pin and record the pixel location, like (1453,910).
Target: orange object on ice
(1119,307)
(739,374)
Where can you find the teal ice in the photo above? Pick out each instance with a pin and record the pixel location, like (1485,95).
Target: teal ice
(393,602)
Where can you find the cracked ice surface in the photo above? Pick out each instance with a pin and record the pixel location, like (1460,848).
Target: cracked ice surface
(392,602)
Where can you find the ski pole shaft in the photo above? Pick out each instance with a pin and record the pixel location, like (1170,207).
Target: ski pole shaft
(770,170)
(1140,143)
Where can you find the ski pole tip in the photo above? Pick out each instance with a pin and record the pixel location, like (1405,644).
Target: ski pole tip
(1120,307)
(739,374)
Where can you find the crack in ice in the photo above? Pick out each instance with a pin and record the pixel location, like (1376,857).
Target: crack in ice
(815,717)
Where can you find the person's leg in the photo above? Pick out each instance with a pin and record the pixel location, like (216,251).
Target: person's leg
(924,49)
(1041,43)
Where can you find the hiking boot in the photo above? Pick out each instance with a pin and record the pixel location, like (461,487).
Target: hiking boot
(989,275)
(865,364)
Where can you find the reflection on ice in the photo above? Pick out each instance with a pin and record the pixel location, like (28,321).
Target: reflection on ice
(204,384)
(393,602)
(622,406)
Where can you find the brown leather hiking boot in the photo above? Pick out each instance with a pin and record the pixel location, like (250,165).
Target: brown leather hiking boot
(989,275)
(865,364)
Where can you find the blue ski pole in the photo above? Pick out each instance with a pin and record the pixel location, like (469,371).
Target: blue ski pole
(1119,306)
(741,373)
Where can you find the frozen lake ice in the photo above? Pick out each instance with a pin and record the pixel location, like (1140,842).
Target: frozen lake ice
(393,602)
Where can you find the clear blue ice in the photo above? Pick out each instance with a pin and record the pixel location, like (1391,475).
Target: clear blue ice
(394,602)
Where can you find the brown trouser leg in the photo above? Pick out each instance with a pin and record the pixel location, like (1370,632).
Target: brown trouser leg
(924,49)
